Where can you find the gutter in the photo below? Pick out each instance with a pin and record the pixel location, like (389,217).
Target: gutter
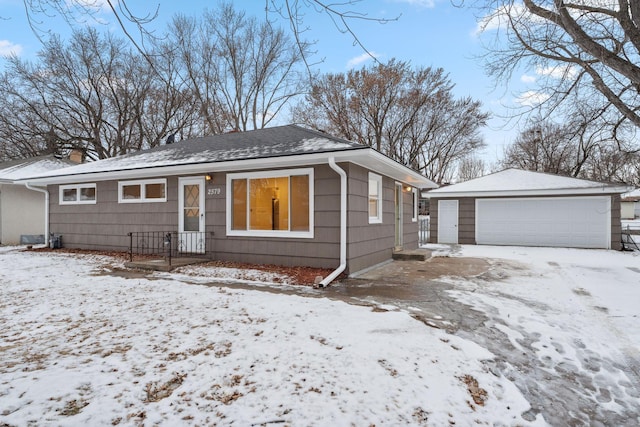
(46,210)
(343,224)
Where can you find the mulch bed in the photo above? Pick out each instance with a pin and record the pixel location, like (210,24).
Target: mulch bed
(299,275)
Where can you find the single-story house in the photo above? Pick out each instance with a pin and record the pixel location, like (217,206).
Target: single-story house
(630,204)
(524,208)
(283,195)
(22,209)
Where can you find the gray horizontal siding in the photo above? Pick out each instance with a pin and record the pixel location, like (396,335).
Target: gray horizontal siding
(467,219)
(104,226)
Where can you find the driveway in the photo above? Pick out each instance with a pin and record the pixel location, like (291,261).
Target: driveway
(565,353)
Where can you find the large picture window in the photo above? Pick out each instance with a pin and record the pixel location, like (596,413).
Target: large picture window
(78,194)
(149,190)
(375,198)
(270,204)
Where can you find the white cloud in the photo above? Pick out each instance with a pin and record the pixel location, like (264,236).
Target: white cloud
(8,48)
(531,98)
(557,71)
(525,78)
(361,58)
(499,18)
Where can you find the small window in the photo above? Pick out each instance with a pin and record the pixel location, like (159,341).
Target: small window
(414,204)
(375,198)
(78,194)
(151,190)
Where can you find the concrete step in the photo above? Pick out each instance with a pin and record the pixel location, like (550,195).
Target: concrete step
(412,255)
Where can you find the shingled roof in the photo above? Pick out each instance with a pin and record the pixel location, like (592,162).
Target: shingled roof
(276,147)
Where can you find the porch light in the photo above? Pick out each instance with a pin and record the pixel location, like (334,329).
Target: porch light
(208,177)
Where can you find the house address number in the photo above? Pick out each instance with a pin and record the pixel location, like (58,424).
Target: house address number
(214,191)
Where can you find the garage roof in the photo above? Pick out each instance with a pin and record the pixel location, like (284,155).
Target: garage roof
(517,182)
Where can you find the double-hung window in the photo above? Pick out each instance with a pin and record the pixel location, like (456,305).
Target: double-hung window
(375,198)
(270,204)
(78,194)
(142,191)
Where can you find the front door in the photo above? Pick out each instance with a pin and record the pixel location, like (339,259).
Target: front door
(398,216)
(191,236)
(447,221)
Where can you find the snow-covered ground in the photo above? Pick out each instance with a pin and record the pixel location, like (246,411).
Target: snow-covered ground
(81,347)
(572,321)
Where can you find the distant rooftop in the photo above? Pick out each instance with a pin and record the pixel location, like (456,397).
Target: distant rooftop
(14,170)
(525,182)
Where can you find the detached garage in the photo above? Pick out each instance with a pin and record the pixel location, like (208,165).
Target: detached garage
(524,208)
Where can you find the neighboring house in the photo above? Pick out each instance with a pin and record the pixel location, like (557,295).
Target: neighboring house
(285,195)
(22,210)
(524,208)
(630,204)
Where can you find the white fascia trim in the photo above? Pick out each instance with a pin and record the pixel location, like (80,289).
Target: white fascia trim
(365,157)
(526,193)
(390,168)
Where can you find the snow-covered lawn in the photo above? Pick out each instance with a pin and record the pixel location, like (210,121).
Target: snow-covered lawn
(80,347)
(83,348)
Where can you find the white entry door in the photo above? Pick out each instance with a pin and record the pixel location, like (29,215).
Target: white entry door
(191,236)
(447,221)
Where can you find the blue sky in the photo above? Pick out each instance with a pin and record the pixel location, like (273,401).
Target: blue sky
(427,33)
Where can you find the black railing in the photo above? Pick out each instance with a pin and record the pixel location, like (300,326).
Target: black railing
(170,244)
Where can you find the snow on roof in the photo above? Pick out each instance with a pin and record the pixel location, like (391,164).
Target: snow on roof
(21,169)
(632,195)
(524,182)
(263,143)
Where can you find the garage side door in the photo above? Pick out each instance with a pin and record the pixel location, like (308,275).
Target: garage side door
(575,222)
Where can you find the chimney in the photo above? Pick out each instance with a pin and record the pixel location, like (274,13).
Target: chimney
(76,156)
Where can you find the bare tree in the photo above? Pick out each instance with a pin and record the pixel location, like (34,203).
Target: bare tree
(581,148)
(585,47)
(242,72)
(91,93)
(471,167)
(410,115)
(542,147)
(134,23)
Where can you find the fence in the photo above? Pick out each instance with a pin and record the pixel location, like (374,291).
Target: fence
(170,244)
(423,230)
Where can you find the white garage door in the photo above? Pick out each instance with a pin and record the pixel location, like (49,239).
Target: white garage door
(576,222)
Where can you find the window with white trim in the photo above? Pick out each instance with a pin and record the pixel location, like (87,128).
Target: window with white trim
(142,191)
(375,198)
(414,206)
(78,194)
(270,204)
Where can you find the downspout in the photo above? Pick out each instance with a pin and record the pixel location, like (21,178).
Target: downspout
(343,224)
(46,210)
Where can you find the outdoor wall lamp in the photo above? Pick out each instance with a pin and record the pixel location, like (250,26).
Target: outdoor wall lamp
(209,177)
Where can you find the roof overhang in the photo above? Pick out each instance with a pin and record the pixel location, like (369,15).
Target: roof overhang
(605,189)
(366,157)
